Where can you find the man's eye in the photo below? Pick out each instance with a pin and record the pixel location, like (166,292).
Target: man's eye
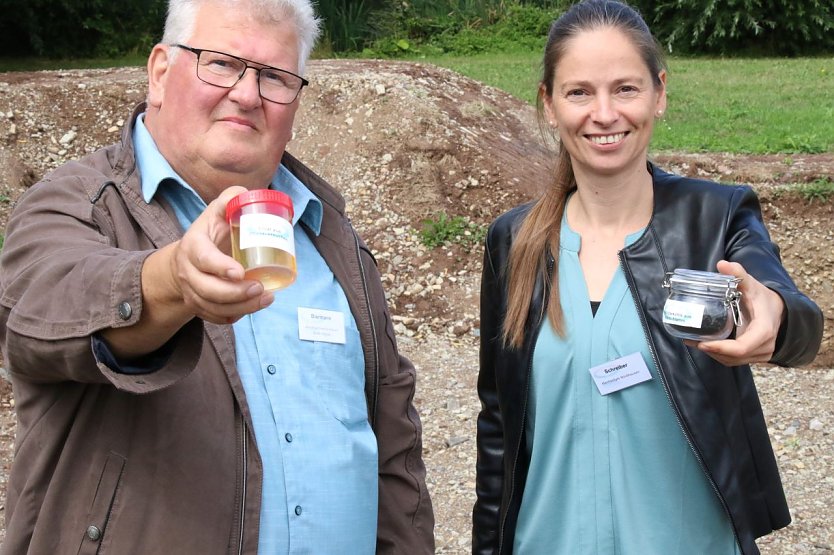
(220,64)
(277,78)
(575,93)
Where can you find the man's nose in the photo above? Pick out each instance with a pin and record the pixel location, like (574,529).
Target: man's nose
(247,90)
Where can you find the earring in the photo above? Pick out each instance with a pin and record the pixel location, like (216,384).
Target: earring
(660,113)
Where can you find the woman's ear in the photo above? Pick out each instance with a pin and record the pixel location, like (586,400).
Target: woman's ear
(660,108)
(547,104)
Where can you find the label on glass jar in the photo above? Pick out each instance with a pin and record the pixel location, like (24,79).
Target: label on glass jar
(266,230)
(680,313)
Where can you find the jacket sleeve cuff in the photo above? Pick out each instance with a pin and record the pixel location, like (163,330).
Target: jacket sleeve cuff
(140,365)
(165,367)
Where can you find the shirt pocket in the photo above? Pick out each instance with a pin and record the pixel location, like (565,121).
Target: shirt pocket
(340,375)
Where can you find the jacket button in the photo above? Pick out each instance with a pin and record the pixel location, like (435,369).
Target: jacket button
(125,310)
(93,533)
(298,510)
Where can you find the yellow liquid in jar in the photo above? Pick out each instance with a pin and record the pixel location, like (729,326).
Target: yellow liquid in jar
(274,268)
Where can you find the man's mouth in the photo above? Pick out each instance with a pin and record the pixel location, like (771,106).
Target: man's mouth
(239,121)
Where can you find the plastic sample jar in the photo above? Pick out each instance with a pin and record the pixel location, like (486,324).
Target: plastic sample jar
(702,306)
(262,236)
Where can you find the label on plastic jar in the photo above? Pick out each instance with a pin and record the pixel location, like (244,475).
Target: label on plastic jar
(266,230)
(681,313)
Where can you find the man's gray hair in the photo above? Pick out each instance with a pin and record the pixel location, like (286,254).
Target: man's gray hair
(182,16)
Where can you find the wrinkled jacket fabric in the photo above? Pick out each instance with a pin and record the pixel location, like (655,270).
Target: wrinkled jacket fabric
(694,225)
(164,462)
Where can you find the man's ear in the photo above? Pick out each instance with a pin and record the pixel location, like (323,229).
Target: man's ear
(159,62)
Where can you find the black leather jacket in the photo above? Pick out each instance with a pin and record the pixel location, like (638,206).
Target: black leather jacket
(694,225)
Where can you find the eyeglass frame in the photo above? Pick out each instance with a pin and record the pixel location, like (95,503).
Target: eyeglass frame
(247,64)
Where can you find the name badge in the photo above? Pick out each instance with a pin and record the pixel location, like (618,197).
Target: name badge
(315,324)
(620,373)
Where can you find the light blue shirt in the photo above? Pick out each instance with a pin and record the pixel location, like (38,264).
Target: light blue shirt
(307,398)
(609,475)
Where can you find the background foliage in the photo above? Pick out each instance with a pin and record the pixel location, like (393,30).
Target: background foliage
(770,27)
(79,28)
(109,28)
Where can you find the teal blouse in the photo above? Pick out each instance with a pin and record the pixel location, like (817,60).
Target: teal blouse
(614,474)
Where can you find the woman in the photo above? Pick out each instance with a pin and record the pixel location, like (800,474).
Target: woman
(679,461)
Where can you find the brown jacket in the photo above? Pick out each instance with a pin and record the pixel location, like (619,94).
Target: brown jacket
(164,462)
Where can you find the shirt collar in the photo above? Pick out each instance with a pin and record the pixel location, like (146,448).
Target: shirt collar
(154,169)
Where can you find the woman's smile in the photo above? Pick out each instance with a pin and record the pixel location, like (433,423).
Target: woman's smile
(609,139)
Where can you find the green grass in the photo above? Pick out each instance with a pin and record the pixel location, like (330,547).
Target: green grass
(39,64)
(820,190)
(744,106)
(442,229)
(517,73)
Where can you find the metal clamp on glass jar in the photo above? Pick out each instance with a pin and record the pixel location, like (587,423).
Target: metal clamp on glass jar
(702,306)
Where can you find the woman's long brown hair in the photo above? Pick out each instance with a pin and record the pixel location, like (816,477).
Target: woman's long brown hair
(538,235)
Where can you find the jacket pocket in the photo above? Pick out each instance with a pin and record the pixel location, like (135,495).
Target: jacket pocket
(99,515)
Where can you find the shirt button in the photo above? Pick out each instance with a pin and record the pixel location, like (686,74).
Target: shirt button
(94,533)
(125,310)
(288,437)
(271,369)
(298,510)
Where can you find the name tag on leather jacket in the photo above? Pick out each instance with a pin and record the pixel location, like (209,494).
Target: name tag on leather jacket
(620,373)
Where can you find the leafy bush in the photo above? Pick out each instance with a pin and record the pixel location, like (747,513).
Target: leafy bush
(764,27)
(80,28)
(505,26)
(346,23)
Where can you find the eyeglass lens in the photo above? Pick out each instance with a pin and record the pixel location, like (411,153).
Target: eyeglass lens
(223,70)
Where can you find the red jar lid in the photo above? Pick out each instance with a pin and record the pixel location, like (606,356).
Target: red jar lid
(259,196)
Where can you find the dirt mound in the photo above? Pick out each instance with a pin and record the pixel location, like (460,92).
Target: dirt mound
(405,142)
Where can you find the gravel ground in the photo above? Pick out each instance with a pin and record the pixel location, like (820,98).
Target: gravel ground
(797,404)
(405,142)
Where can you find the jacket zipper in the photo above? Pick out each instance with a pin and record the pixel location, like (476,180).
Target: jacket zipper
(675,409)
(243,493)
(375,399)
(526,393)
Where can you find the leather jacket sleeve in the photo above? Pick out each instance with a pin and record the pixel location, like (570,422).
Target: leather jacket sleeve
(749,244)
(490,472)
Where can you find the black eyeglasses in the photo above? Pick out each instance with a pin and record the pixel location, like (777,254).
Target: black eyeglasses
(224,70)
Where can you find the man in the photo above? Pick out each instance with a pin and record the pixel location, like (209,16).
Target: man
(166,404)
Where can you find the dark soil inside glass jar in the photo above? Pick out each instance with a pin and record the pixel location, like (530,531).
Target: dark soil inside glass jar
(710,325)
